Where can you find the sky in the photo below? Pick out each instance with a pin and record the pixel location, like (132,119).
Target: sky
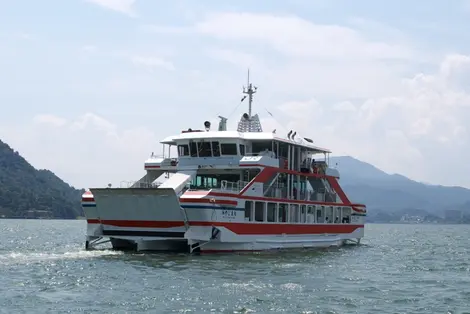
(88,88)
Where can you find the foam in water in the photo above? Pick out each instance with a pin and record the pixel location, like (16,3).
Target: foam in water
(20,257)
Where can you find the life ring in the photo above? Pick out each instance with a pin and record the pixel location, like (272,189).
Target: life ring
(315,170)
(286,164)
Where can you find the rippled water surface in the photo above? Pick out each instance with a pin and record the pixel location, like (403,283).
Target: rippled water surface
(397,269)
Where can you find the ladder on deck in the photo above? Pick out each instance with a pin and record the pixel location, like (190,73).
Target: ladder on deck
(271,184)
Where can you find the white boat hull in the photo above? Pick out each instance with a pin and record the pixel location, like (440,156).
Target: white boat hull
(204,242)
(156,220)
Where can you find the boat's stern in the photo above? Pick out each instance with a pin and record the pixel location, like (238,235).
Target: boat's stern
(94,228)
(359,213)
(135,218)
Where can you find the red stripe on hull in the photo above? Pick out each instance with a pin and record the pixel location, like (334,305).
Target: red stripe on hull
(277,228)
(253,198)
(88,199)
(138,223)
(229,251)
(239,228)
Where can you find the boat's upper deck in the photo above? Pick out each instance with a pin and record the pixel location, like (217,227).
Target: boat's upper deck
(247,146)
(196,135)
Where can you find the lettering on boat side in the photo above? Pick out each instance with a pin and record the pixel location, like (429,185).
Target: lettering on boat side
(230,214)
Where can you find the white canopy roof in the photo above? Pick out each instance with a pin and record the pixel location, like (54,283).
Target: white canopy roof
(250,136)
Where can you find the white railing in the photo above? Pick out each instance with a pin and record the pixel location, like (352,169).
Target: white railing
(143,185)
(268,153)
(281,192)
(233,186)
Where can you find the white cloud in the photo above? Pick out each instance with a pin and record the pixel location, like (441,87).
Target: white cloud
(414,132)
(357,90)
(302,57)
(49,119)
(297,37)
(420,132)
(152,62)
(87,151)
(237,58)
(89,48)
(121,6)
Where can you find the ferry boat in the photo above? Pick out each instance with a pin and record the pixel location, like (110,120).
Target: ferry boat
(241,190)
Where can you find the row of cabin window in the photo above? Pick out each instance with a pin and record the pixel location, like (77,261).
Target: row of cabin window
(280,212)
(210,149)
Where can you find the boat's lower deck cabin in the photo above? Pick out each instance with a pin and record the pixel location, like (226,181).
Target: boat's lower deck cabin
(261,211)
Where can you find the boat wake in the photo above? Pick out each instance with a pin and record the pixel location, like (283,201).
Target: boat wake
(38,257)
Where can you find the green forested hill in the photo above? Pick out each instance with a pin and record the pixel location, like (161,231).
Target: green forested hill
(24,189)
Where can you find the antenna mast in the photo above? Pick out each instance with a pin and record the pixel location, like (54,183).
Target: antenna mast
(249,123)
(249,90)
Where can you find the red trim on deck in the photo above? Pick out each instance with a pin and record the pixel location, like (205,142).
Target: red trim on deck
(208,201)
(262,177)
(200,192)
(356,209)
(152,167)
(335,185)
(282,170)
(267,172)
(277,200)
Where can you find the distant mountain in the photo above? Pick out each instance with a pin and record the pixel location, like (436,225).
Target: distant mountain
(28,192)
(378,190)
(25,191)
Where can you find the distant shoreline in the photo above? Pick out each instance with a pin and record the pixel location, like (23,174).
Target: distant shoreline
(367,223)
(24,218)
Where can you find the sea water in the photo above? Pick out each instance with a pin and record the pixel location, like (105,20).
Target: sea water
(397,269)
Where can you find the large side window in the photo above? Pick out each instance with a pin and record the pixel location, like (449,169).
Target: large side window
(259,211)
(271,212)
(215,149)
(193,148)
(248,210)
(228,149)
(183,150)
(204,149)
(282,213)
(242,149)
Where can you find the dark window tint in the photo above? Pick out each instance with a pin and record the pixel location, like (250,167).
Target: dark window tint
(242,150)
(193,148)
(204,149)
(228,149)
(215,149)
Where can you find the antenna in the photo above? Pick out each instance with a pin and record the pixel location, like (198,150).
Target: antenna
(222,124)
(249,90)
(248,122)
